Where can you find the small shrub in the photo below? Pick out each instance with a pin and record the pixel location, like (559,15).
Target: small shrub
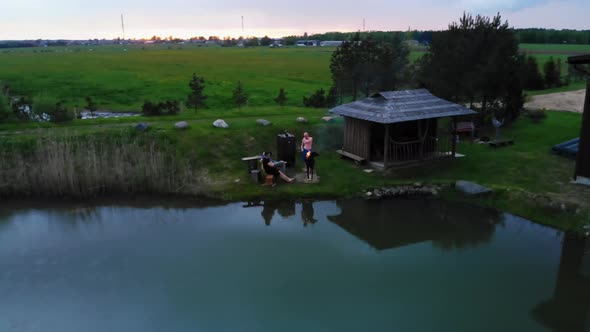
(61,113)
(4,108)
(169,107)
(537,115)
(57,111)
(316,100)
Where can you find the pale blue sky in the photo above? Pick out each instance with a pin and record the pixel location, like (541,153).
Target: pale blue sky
(82,19)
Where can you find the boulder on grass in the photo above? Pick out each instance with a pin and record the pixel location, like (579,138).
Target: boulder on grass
(219,123)
(327,118)
(471,188)
(263,122)
(181,125)
(141,126)
(301,120)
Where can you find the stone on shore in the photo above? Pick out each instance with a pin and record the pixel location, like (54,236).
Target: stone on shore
(301,119)
(181,125)
(263,122)
(471,188)
(219,123)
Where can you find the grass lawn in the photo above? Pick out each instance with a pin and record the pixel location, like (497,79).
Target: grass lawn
(528,179)
(565,48)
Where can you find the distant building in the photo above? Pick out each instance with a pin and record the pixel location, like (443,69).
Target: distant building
(304,43)
(331,43)
(412,43)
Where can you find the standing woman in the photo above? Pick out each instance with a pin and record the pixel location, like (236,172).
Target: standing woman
(306,144)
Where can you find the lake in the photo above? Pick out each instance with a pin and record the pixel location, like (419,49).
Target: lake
(350,265)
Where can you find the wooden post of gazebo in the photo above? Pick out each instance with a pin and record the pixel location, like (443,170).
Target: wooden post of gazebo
(453,138)
(583,158)
(386,146)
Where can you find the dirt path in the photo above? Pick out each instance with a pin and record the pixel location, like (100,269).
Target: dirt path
(571,101)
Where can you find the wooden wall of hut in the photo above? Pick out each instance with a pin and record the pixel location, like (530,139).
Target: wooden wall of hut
(357,137)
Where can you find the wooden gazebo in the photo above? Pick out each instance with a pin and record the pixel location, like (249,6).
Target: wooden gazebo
(399,127)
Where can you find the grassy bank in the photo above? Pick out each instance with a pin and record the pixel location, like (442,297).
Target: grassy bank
(528,180)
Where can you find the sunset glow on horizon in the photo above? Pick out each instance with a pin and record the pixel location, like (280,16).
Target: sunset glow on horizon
(71,19)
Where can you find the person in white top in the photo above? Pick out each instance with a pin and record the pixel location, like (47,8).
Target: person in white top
(306,145)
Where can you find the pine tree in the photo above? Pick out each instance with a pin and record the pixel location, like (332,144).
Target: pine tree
(240,97)
(552,72)
(196,98)
(281,99)
(90,106)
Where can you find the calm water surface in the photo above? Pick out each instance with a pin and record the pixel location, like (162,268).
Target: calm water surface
(283,266)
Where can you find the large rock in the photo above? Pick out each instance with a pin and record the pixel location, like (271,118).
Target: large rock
(181,125)
(327,118)
(141,126)
(471,188)
(301,119)
(263,122)
(219,123)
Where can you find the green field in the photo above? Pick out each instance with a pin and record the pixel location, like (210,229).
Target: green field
(123,80)
(119,78)
(562,48)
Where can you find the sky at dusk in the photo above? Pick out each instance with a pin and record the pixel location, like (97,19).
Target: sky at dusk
(83,19)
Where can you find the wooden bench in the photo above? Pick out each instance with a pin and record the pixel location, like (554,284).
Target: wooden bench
(465,127)
(357,159)
(501,143)
(252,162)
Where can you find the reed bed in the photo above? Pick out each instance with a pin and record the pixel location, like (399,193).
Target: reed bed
(83,166)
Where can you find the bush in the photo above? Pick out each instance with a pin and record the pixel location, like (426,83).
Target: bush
(44,106)
(169,107)
(61,113)
(316,100)
(4,108)
(537,115)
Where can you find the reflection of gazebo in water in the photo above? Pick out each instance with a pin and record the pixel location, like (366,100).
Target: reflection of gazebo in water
(568,309)
(399,127)
(397,223)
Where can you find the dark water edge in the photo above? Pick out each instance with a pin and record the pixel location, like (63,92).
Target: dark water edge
(160,263)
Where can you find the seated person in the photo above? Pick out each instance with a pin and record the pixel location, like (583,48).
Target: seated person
(271,169)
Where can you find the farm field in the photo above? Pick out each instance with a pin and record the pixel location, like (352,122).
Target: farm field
(567,49)
(122,78)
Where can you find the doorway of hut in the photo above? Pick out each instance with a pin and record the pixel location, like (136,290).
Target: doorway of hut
(407,141)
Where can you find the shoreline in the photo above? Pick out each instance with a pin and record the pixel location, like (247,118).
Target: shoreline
(559,217)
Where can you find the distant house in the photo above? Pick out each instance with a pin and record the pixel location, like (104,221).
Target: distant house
(412,43)
(399,127)
(331,43)
(304,43)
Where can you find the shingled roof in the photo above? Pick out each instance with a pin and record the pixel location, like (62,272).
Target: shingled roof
(401,106)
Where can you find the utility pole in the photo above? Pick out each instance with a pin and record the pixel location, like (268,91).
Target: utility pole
(123,26)
(363,25)
(242,25)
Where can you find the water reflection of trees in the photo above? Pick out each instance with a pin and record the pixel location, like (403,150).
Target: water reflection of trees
(386,224)
(568,309)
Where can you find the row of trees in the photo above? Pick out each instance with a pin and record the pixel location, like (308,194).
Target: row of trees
(529,36)
(362,66)
(551,75)
(476,61)
(197,98)
(551,36)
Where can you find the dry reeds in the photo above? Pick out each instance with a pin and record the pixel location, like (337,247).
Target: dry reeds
(82,166)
